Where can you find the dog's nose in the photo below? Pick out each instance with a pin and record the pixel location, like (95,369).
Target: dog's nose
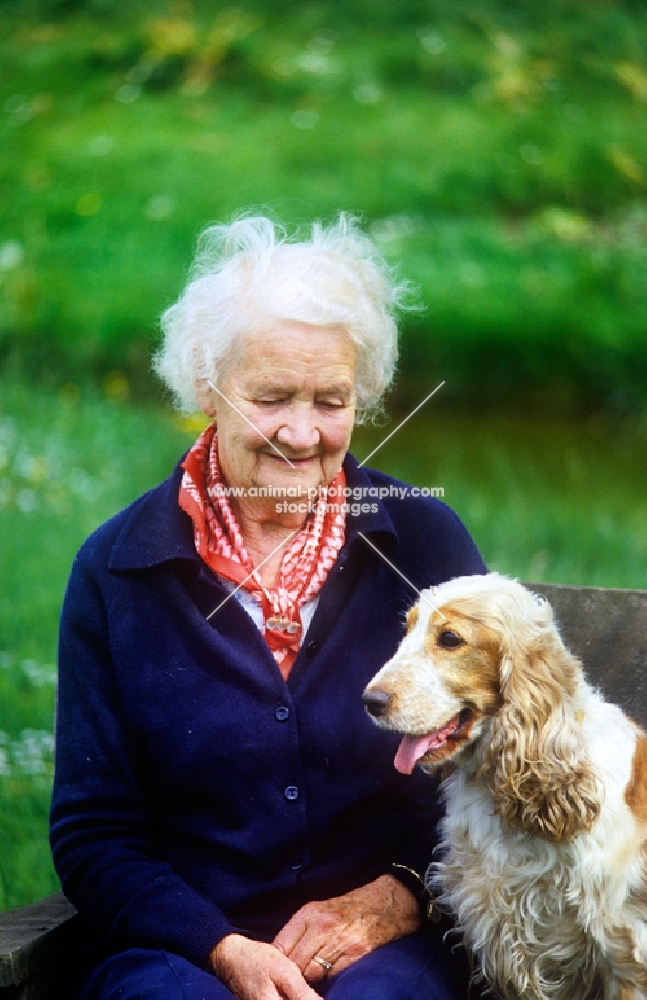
(376,701)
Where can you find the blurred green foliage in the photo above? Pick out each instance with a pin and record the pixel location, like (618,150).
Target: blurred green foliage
(496,149)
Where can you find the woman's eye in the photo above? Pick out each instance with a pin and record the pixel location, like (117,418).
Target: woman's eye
(449,639)
(331,404)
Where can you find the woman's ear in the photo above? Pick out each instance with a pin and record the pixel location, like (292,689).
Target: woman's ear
(206,397)
(537,767)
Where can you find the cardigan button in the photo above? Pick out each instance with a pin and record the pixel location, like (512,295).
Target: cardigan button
(282,713)
(312,647)
(291,793)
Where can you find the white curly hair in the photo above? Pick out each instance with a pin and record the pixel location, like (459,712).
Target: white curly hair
(250,272)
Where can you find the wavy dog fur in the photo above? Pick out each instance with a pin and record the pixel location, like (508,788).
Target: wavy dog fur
(544,853)
(536,760)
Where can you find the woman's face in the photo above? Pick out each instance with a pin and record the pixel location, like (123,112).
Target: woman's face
(294,385)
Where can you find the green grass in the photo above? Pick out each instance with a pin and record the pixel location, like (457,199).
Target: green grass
(545,500)
(497,151)
(66,464)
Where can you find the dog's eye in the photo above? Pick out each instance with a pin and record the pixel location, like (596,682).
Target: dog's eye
(449,639)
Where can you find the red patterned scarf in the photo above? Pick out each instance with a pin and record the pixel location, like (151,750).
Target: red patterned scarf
(306,563)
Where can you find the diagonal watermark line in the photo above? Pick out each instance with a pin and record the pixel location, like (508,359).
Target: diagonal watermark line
(253,426)
(406,580)
(250,575)
(401,424)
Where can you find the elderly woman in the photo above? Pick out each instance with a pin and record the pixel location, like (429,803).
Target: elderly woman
(226,817)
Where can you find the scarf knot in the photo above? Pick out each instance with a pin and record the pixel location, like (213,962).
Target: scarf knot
(306,562)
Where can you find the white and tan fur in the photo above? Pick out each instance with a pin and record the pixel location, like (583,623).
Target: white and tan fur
(544,854)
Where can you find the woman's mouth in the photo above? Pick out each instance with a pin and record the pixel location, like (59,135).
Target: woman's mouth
(292,459)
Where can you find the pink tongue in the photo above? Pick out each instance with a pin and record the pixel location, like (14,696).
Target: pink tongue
(410,751)
(412,748)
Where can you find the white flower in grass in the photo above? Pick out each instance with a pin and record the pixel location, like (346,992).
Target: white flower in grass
(368,93)
(304,119)
(12,254)
(5,765)
(432,42)
(393,228)
(26,501)
(160,207)
(84,486)
(316,63)
(531,154)
(128,93)
(33,751)
(7,431)
(101,145)
(19,108)
(39,674)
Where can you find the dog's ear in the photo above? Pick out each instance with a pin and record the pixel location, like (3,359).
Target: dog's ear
(536,763)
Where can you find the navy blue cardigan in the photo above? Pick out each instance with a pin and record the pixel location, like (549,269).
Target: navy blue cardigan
(196,791)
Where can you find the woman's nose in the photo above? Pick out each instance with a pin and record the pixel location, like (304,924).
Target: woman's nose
(300,430)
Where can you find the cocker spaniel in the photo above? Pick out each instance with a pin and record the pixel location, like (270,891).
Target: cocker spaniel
(544,842)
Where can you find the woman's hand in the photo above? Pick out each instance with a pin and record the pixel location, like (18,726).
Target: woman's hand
(253,970)
(345,928)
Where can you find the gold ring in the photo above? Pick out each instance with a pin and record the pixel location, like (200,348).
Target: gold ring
(323,963)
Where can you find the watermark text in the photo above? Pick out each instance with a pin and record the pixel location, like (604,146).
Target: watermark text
(303,499)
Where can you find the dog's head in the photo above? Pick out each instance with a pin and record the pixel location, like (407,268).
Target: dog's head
(482,662)
(446,677)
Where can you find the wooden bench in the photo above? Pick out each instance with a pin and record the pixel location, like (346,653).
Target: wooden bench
(606,628)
